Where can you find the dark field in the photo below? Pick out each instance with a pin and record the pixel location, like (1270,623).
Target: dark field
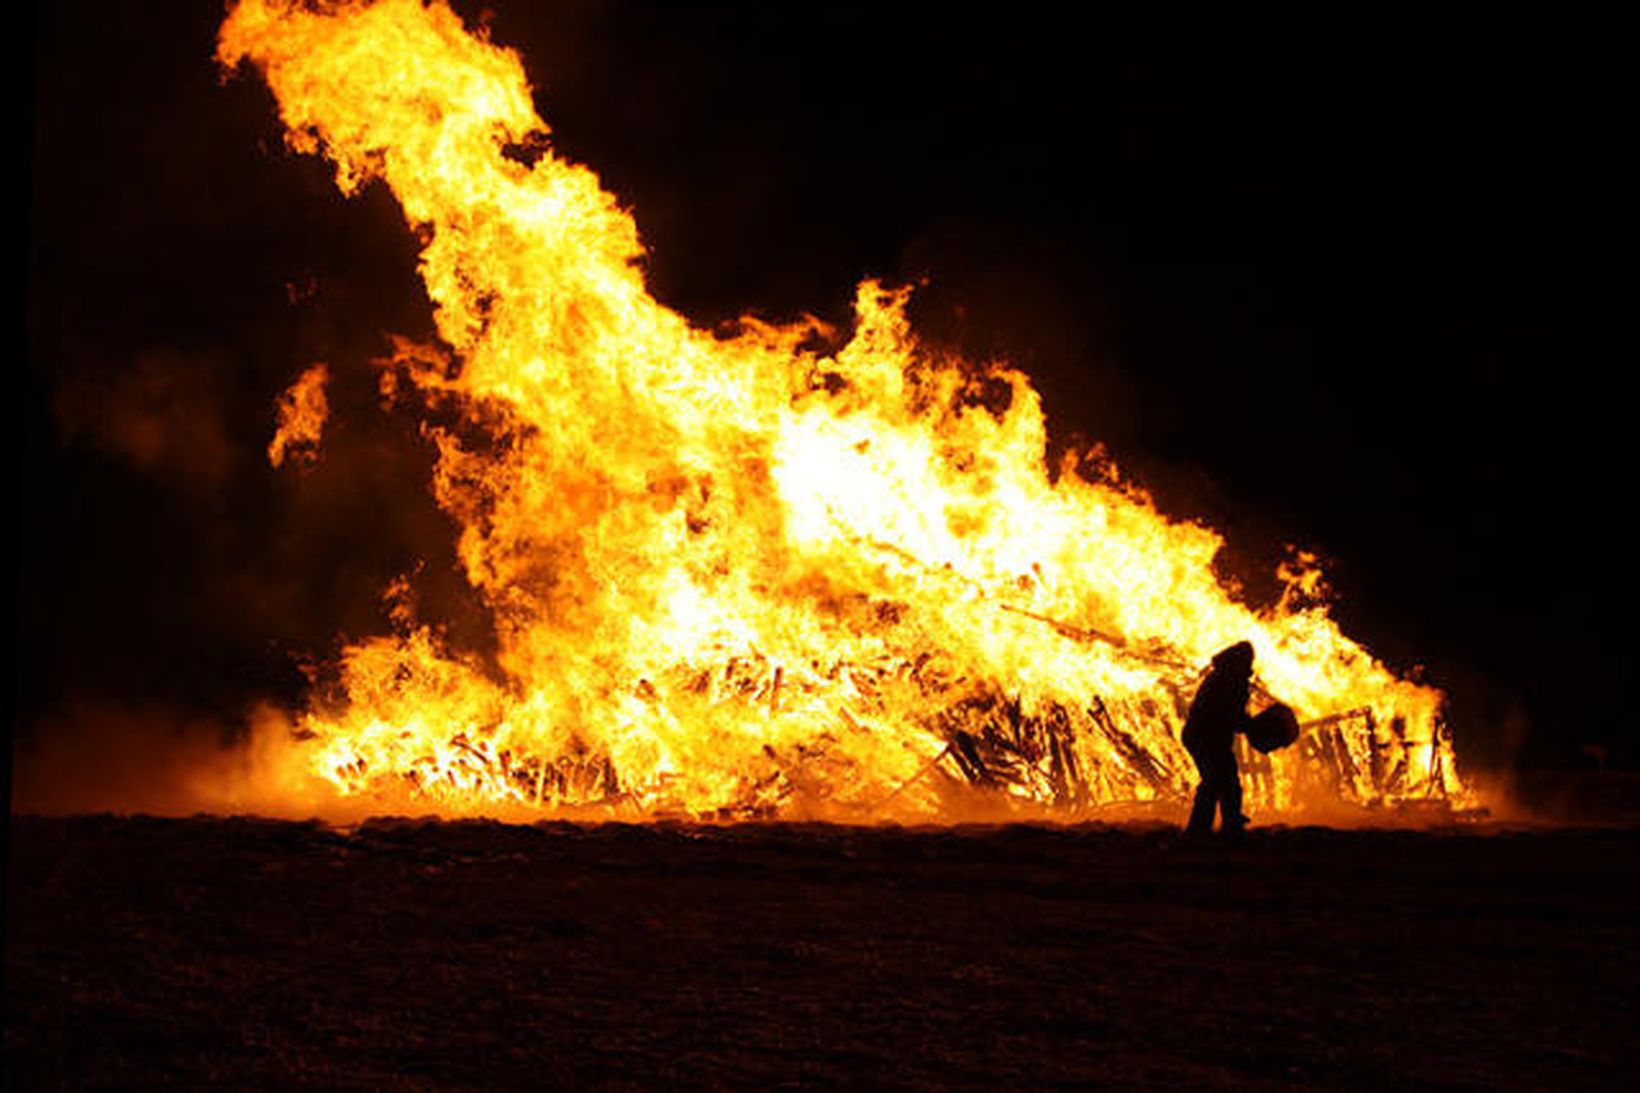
(236,952)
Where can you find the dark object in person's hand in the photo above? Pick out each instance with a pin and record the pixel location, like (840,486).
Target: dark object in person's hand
(1272,729)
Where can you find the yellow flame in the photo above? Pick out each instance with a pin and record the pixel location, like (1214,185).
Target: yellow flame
(741,573)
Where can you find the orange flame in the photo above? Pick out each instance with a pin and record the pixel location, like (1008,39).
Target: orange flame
(302,413)
(739,573)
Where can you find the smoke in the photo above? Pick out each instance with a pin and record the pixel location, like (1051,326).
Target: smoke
(162,414)
(101,757)
(171,580)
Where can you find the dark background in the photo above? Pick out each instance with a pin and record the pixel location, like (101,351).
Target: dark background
(1366,288)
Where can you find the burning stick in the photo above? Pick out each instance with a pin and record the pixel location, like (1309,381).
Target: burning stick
(915,778)
(1089,634)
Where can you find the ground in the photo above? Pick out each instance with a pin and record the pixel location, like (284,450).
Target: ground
(212,952)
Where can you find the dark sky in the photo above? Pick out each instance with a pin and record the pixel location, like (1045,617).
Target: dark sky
(1366,288)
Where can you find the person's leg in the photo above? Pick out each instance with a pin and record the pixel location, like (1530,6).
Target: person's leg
(1201,812)
(1207,798)
(1230,794)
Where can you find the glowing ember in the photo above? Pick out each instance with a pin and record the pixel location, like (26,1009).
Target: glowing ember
(744,575)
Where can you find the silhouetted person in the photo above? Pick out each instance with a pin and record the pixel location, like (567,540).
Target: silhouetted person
(1218,712)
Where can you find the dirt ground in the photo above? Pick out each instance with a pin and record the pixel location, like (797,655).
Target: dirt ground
(214,952)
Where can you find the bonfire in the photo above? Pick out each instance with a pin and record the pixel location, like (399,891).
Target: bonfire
(780,569)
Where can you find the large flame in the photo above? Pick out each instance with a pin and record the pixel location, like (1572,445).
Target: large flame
(741,573)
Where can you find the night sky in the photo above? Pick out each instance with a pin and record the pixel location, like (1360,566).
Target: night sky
(1366,289)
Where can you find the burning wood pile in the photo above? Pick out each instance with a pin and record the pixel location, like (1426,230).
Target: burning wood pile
(784,570)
